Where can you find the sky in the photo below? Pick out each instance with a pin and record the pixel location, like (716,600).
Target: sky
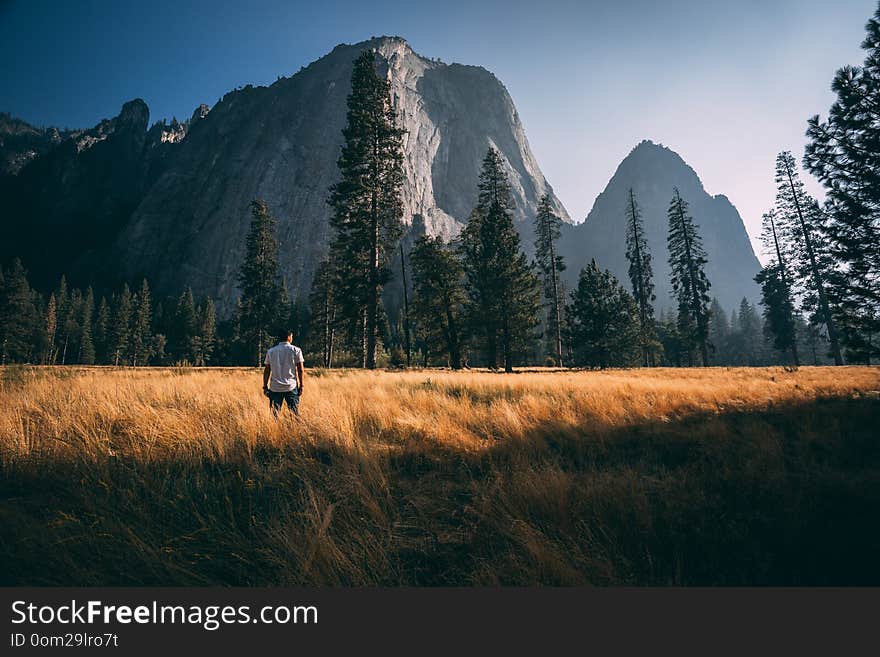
(727,85)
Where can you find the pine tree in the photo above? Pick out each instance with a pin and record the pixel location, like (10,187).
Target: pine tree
(503,290)
(842,154)
(18,315)
(800,221)
(51,330)
(86,354)
(687,261)
(120,326)
(779,313)
(258,280)
(102,332)
(323,305)
(777,295)
(719,333)
(604,323)
(750,336)
(62,333)
(142,330)
(439,296)
(547,231)
(206,339)
(185,329)
(641,276)
(366,202)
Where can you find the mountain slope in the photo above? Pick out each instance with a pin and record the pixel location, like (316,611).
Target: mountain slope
(280,143)
(652,171)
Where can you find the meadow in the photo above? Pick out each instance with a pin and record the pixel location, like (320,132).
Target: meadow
(430,477)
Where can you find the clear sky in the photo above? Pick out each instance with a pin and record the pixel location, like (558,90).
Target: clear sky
(725,84)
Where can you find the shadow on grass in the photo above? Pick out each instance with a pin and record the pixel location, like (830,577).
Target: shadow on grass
(784,496)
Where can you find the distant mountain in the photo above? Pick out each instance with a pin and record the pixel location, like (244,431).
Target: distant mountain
(67,195)
(181,219)
(652,171)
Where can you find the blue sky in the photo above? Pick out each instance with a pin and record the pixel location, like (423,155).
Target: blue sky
(726,85)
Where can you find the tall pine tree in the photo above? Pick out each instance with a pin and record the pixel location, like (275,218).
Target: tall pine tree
(603,321)
(548,228)
(687,261)
(120,326)
(844,154)
(258,280)
(142,329)
(779,313)
(641,276)
(439,296)
(800,220)
(323,304)
(366,202)
(503,290)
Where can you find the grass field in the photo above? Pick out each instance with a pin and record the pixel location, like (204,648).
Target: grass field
(644,477)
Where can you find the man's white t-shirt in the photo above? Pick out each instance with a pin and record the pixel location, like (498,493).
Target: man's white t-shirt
(282,358)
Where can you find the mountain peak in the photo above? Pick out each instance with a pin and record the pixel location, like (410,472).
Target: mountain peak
(652,170)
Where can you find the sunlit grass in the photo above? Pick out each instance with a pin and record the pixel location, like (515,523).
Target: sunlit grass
(182,476)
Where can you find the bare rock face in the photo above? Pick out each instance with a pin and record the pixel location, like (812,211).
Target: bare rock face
(280,143)
(652,171)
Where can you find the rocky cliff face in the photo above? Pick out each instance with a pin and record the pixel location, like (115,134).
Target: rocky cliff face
(652,171)
(120,201)
(67,195)
(280,143)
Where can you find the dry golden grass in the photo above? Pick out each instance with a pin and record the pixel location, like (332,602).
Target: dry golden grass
(166,476)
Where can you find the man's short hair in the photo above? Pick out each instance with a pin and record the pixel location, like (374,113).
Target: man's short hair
(285,333)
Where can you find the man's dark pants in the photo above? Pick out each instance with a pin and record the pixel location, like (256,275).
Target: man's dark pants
(290,398)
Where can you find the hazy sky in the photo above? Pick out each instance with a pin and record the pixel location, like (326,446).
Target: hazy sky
(726,85)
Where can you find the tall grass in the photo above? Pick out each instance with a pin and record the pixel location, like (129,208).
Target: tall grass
(181,476)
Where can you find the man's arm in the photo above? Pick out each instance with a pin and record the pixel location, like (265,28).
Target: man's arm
(300,375)
(267,371)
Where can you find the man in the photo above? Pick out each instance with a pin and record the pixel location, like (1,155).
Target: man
(283,374)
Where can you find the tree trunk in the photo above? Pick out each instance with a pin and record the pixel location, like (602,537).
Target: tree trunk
(640,286)
(556,310)
(405,307)
(508,351)
(695,297)
(454,343)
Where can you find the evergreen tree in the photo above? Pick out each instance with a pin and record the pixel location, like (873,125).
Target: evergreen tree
(142,329)
(843,154)
(503,290)
(258,281)
(800,221)
(18,315)
(366,202)
(120,326)
(61,338)
(86,354)
(439,296)
(206,339)
(323,305)
(687,261)
(69,322)
(51,330)
(547,231)
(750,337)
(779,313)
(719,333)
(103,332)
(641,276)
(185,329)
(603,321)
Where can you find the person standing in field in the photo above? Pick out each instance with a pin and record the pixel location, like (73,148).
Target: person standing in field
(283,374)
